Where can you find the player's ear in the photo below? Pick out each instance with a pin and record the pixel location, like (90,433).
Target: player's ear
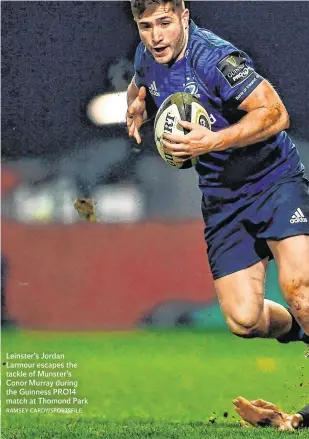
(185,18)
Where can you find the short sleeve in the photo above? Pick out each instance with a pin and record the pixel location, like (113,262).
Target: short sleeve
(236,77)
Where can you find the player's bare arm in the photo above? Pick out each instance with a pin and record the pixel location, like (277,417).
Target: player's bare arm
(136,112)
(266,116)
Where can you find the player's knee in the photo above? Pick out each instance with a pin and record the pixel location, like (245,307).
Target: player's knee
(246,326)
(295,289)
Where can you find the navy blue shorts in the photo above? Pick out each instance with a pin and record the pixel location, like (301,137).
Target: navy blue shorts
(236,231)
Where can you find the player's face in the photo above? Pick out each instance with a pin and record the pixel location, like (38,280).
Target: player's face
(164,32)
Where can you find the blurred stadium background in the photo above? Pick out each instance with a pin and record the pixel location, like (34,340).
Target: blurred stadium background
(144,262)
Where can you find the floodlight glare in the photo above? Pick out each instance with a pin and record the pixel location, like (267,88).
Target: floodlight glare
(108,109)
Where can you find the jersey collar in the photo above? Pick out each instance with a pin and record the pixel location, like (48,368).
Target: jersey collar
(192,27)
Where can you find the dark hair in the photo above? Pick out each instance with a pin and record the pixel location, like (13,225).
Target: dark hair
(138,7)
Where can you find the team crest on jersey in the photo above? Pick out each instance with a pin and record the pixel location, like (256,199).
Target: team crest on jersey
(191,87)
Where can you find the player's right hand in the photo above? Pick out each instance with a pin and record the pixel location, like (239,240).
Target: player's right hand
(136,115)
(260,413)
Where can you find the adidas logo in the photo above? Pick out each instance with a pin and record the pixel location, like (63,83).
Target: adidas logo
(153,89)
(298,217)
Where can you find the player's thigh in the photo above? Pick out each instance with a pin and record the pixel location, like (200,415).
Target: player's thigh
(241,294)
(292,259)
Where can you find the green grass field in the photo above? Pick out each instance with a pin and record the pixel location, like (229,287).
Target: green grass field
(175,384)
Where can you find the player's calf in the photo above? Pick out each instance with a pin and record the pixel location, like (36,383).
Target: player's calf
(292,255)
(296,293)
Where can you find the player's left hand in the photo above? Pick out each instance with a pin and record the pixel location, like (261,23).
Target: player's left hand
(198,141)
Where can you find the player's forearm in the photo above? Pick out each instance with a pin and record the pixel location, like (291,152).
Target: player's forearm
(255,126)
(132,92)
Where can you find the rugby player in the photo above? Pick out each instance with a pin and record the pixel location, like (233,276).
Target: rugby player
(255,197)
(263,413)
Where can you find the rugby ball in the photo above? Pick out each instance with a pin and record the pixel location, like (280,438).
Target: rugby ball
(178,106)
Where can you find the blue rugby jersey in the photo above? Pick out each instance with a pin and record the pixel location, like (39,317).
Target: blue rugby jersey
(221,77)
